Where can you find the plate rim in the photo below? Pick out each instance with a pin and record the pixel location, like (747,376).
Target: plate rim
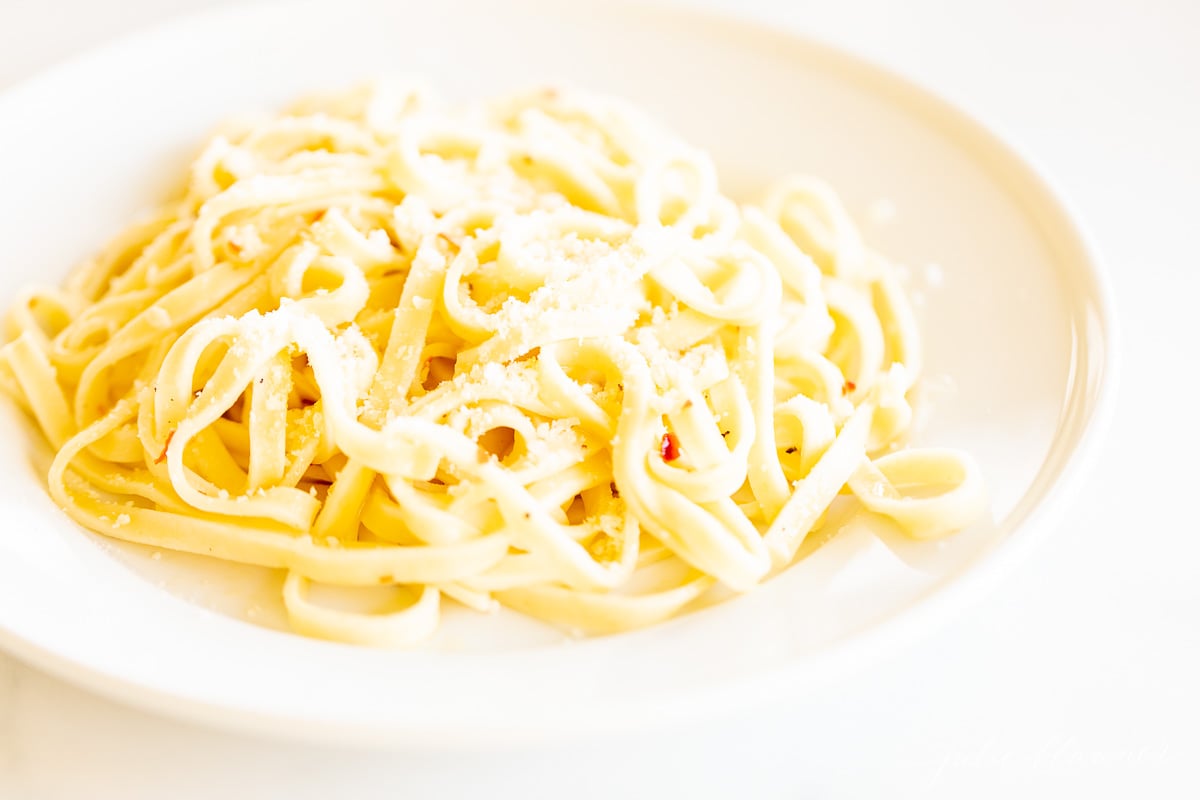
(1035,516)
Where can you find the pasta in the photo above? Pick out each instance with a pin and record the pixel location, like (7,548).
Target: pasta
(520,353)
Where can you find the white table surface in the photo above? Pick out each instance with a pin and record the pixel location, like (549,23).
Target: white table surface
(1080,676)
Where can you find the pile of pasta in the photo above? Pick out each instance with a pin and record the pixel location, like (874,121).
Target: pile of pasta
(521,352)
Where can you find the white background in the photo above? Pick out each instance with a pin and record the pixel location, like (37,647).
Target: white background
(1080,676)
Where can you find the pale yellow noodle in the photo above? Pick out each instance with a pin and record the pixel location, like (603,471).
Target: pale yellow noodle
(522,352)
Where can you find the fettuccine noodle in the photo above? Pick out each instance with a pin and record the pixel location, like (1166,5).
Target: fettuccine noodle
(523,353)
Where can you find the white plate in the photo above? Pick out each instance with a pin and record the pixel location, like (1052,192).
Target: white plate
(1019,345)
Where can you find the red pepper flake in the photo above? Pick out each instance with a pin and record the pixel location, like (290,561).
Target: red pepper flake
(669,447)
(163,455)
(848,387)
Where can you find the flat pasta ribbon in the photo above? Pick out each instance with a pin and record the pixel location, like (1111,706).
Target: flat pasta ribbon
(522,353)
